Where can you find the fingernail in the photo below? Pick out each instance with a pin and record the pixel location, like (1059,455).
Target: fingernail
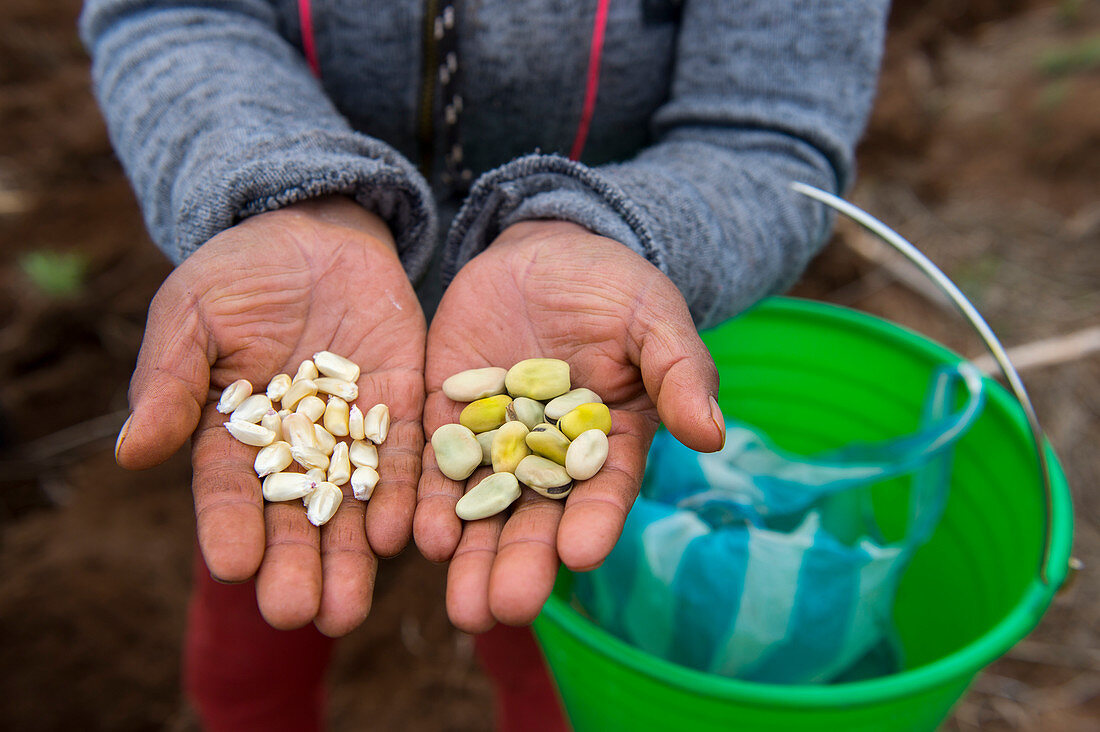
(718,419)
(122,435)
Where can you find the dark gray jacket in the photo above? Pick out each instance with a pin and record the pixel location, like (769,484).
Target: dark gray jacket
(706,110)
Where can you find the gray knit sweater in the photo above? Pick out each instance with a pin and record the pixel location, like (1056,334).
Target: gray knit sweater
(706,110)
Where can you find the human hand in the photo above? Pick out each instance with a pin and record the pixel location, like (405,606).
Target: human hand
(554,289)
(255,301)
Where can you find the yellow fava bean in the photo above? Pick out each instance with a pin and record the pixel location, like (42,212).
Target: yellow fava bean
(538,378)
(509,447)
(548,441)
(485,414)
(592,416)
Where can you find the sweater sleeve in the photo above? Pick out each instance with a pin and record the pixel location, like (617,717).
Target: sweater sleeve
(764,92)
(216,117)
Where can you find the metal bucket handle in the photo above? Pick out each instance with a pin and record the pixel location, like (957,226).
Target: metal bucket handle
(895,240)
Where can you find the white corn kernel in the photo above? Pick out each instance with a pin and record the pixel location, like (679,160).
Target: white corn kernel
(363,454)
(337,387)
(376,423)
(363,481)
(272,421)
(336,416)
(309,457)
(298,391)
(324,501)
(233,395)
(338,367)
(355,423)
(251,409)
(311,406)
(287,486)
(274,458)
(298,431)
(326,443)
(339,465)
(277,387)
(283,413)
(250,434)
(306,370)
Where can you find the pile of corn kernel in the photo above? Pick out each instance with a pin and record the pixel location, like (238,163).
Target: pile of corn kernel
(298,423)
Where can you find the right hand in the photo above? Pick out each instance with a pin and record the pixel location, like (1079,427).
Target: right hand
(255,301)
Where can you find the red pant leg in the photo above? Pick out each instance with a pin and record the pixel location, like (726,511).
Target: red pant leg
(526,699)
(240,673)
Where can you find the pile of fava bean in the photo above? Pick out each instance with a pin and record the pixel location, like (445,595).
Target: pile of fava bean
(530,425)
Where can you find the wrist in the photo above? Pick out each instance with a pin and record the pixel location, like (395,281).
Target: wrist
(343,211)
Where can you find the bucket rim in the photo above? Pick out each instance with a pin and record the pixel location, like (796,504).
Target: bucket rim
(959,666)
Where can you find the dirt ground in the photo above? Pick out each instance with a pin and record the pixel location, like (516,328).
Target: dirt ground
(984,150)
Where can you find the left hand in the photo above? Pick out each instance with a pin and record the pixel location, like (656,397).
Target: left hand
(554,289)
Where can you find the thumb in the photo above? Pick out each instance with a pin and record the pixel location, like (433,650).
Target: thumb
(170,382)
(680,376)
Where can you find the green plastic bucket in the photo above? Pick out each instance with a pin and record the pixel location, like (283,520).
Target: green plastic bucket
(816,376)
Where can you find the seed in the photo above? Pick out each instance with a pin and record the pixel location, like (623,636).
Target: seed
(593,415)
(272,422)
(298,391)
(336,417)
(346,390)
(558,407)
(250,434)
(273,459)
(363,481)
(338,367)
(549,442)
(298,431)
(309,457)
(523,409)
(363,454)
(326,443)
(485,414)
(233,395)
(544,476)
(283,413)
(251,409)
(339,465)
(276,388)
(509,447)
(485,439)
(489,497)
(586,454)
(474,384)
(376,423)
(457,451)
(312,407)
(355,423)
(323,503)
(287,486)
(306,370)
(538,378)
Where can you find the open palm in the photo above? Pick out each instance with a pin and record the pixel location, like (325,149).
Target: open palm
(554,289)
(253,302)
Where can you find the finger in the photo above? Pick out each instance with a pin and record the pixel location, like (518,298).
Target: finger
(348,568)
(596,509)
(288,586)
(228,502)
(680,376)
(170,382)
(527,560)
(468,575)
(389,513)
(436,528)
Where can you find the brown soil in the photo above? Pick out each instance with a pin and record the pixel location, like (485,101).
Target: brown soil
(984,150)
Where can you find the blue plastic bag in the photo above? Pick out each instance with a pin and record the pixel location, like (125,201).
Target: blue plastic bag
(762,565)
